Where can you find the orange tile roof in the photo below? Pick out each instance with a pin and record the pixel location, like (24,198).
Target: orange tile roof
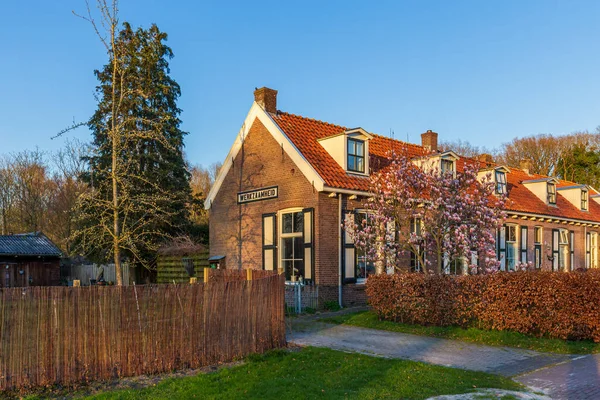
(305,132)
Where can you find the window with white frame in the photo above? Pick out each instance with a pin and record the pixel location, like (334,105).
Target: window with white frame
(551,193)
(511,247)
(563,249)
(500,182)
(456,267)
(537,243)
(537,234)
(356,155)
(584,200)
(292,244)
(447,166)
(593,249)
(416,225)
(364,267)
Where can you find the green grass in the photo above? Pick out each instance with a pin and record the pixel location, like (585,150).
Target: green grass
(368,319)
(319,373)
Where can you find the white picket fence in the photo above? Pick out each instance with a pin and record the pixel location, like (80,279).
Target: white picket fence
(86,273)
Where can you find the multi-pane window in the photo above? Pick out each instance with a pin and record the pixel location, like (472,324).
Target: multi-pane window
(292,245)
(511,247)
(447,166)
(364,267)
(356,155)
(551,193)
(584,200)
(564,250)
(416,257)
(593,250)
(500,182)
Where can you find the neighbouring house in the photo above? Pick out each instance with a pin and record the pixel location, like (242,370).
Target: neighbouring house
(29,259)
(289,182)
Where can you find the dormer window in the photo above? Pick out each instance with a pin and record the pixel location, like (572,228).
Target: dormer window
(584,200)
(447,166)
(500,182)
(356,155)
(551,193)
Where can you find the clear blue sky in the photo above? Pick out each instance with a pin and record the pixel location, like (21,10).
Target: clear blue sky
(482,71)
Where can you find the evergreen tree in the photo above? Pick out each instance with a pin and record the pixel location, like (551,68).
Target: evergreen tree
(581,164)
(138,177)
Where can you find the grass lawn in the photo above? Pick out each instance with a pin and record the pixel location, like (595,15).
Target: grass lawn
(319,373)
(368,319)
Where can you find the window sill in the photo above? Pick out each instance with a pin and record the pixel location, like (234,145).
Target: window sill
(360,174)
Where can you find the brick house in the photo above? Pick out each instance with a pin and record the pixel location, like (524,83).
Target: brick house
(289,182)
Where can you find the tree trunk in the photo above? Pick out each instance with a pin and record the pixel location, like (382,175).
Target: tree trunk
(116,227)
(115,149)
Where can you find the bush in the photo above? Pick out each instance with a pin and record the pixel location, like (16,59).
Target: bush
(331,305)
(553,304)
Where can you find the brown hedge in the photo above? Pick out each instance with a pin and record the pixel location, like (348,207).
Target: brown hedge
(553,304)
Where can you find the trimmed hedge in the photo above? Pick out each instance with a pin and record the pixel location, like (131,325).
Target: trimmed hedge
(552,304)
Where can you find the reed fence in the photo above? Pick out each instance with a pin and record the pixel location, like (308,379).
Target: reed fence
(67,335)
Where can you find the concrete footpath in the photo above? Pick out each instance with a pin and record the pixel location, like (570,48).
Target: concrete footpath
(559,376)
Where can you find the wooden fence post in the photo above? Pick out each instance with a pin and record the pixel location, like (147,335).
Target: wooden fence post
(206,269)
(248,274)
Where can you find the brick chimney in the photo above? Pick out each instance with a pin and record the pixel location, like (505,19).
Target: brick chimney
(525,165)
(267,99)
(429,140)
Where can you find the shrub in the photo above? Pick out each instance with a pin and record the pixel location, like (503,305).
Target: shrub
(553,304)
(331,305)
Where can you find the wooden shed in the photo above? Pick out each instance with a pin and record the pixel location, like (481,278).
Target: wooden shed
(29,259)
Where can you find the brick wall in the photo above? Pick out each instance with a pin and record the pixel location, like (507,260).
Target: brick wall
(236,230)
(547,227)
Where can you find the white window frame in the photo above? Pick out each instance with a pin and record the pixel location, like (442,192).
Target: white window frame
(357,250)
(551,193)
(500,184)
(513,244)
(281,235)
(593,250)
(564,249)
(416,226)
(536,230)
(584,199)
(450,162)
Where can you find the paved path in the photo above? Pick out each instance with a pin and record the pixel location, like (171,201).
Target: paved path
(577,379)
(451,353)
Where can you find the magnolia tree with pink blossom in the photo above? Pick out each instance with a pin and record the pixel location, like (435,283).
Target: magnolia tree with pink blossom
(436,216)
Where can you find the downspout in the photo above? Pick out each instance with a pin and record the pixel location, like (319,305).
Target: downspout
(340,249)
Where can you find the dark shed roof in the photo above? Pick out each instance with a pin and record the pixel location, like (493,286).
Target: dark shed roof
(28,244)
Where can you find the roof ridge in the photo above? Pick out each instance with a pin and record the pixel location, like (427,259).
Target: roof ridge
(345,127)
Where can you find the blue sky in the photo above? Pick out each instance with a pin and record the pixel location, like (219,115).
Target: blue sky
(481,71)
